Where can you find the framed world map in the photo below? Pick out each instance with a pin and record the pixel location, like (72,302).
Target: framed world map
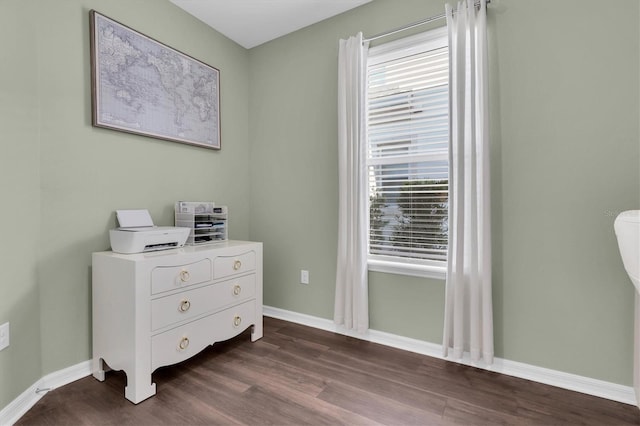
(142,86)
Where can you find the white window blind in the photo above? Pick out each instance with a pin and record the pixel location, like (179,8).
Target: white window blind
(408,139)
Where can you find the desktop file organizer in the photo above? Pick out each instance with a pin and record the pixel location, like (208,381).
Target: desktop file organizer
(208,222)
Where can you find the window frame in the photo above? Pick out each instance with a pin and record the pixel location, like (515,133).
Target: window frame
(423,42)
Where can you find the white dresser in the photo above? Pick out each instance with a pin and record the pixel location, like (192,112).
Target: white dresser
(160,308)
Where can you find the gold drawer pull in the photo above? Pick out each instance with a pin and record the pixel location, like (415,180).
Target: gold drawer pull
(237,265)
(184,276)
(184,306)
(237,290)
(184,344)
(237,321)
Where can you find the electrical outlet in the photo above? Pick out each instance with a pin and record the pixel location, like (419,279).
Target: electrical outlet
(304,277)
(4,335)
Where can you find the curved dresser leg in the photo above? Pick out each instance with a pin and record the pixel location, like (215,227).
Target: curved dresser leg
(139,387)
(97,368)
(256,331)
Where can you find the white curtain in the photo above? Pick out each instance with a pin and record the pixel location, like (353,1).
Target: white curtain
(352,299)
(468,324)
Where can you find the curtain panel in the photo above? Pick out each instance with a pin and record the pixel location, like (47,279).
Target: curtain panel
(351,308)
(468,324)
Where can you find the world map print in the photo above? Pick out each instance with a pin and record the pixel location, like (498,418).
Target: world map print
(143,86)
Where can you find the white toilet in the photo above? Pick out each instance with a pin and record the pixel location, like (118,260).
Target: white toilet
(627,227)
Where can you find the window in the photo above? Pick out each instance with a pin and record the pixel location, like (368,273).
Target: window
(407,155)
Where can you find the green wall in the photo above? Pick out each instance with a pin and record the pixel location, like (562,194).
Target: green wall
(62,178)
(565,152)
(566,162)
(565,90)
(20,195)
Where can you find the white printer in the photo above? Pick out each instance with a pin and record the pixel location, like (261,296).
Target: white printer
(138,234)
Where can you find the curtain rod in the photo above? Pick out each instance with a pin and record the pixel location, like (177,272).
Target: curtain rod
(413,25)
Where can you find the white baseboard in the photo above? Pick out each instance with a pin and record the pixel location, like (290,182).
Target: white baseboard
(27,399)
(556,378)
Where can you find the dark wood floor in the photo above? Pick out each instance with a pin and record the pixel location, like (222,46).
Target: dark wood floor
(298,375)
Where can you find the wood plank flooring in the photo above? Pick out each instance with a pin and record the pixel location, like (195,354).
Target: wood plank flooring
(297,375)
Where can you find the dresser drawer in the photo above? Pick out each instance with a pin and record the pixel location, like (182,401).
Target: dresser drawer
(165,278)
(225,266)
(183,342)
(192,303)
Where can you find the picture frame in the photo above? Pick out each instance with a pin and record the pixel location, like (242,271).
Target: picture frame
(142,86)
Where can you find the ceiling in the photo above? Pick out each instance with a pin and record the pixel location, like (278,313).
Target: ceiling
(253,22)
